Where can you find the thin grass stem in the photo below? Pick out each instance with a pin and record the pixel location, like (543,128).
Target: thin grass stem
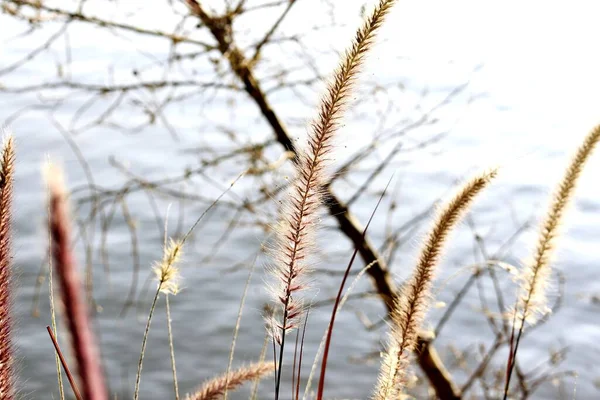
(237,324)
(172,348)
(138,376)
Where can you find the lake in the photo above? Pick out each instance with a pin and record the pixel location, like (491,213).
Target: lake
(530,99)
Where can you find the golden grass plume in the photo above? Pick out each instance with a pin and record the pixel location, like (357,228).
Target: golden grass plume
(166,271)
(534,277)
(296,231)
(413,301)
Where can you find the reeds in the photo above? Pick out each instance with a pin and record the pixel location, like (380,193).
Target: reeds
(6,189)
(413,301)
(531,301)
(299,214)
(83,343)
(216,387)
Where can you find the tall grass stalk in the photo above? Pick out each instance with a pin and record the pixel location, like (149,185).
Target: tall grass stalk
(83,342)
(534,279)
(171,348)
(261,359)
(6,347)
(313,369)
(167,274)
(168,277)
(295,235)
(338,298)
(413,301)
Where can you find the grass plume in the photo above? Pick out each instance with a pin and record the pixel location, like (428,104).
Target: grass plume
(298,225)
(167,275)
(413,301)
(83,342)
(536,273)
(6,188)
(216,387)
(531,301)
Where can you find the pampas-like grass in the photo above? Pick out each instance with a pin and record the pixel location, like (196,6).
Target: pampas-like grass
(215,388)
(298,225)
(83,343)
(534,279)
(6,188)
(168,277)
(413,301)
(531,300)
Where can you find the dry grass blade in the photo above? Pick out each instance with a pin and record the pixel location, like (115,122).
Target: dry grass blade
(76,313)
(6,188)
(216,387)
(414,298)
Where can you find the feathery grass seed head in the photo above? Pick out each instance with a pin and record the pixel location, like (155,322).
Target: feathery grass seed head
(215,388)
(414,299)
(166,271)
(534,278)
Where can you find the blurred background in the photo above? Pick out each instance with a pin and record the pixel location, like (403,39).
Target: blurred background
(146,112)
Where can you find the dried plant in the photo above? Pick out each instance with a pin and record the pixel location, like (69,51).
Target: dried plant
(414,299)
(167,275)
(216,387)
(6,188)
(299,214)
(83,343)
(531,301)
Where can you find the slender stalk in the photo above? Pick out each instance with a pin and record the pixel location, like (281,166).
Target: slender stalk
(338,298)
(261,359)
(313,368)
(534,280)
(61,389)
(301,355)
(60,356)
(299,215)
(414,300)
(138,376)
(172,348)
(238,322)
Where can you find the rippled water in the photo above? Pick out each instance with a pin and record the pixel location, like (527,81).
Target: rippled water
(527,109)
